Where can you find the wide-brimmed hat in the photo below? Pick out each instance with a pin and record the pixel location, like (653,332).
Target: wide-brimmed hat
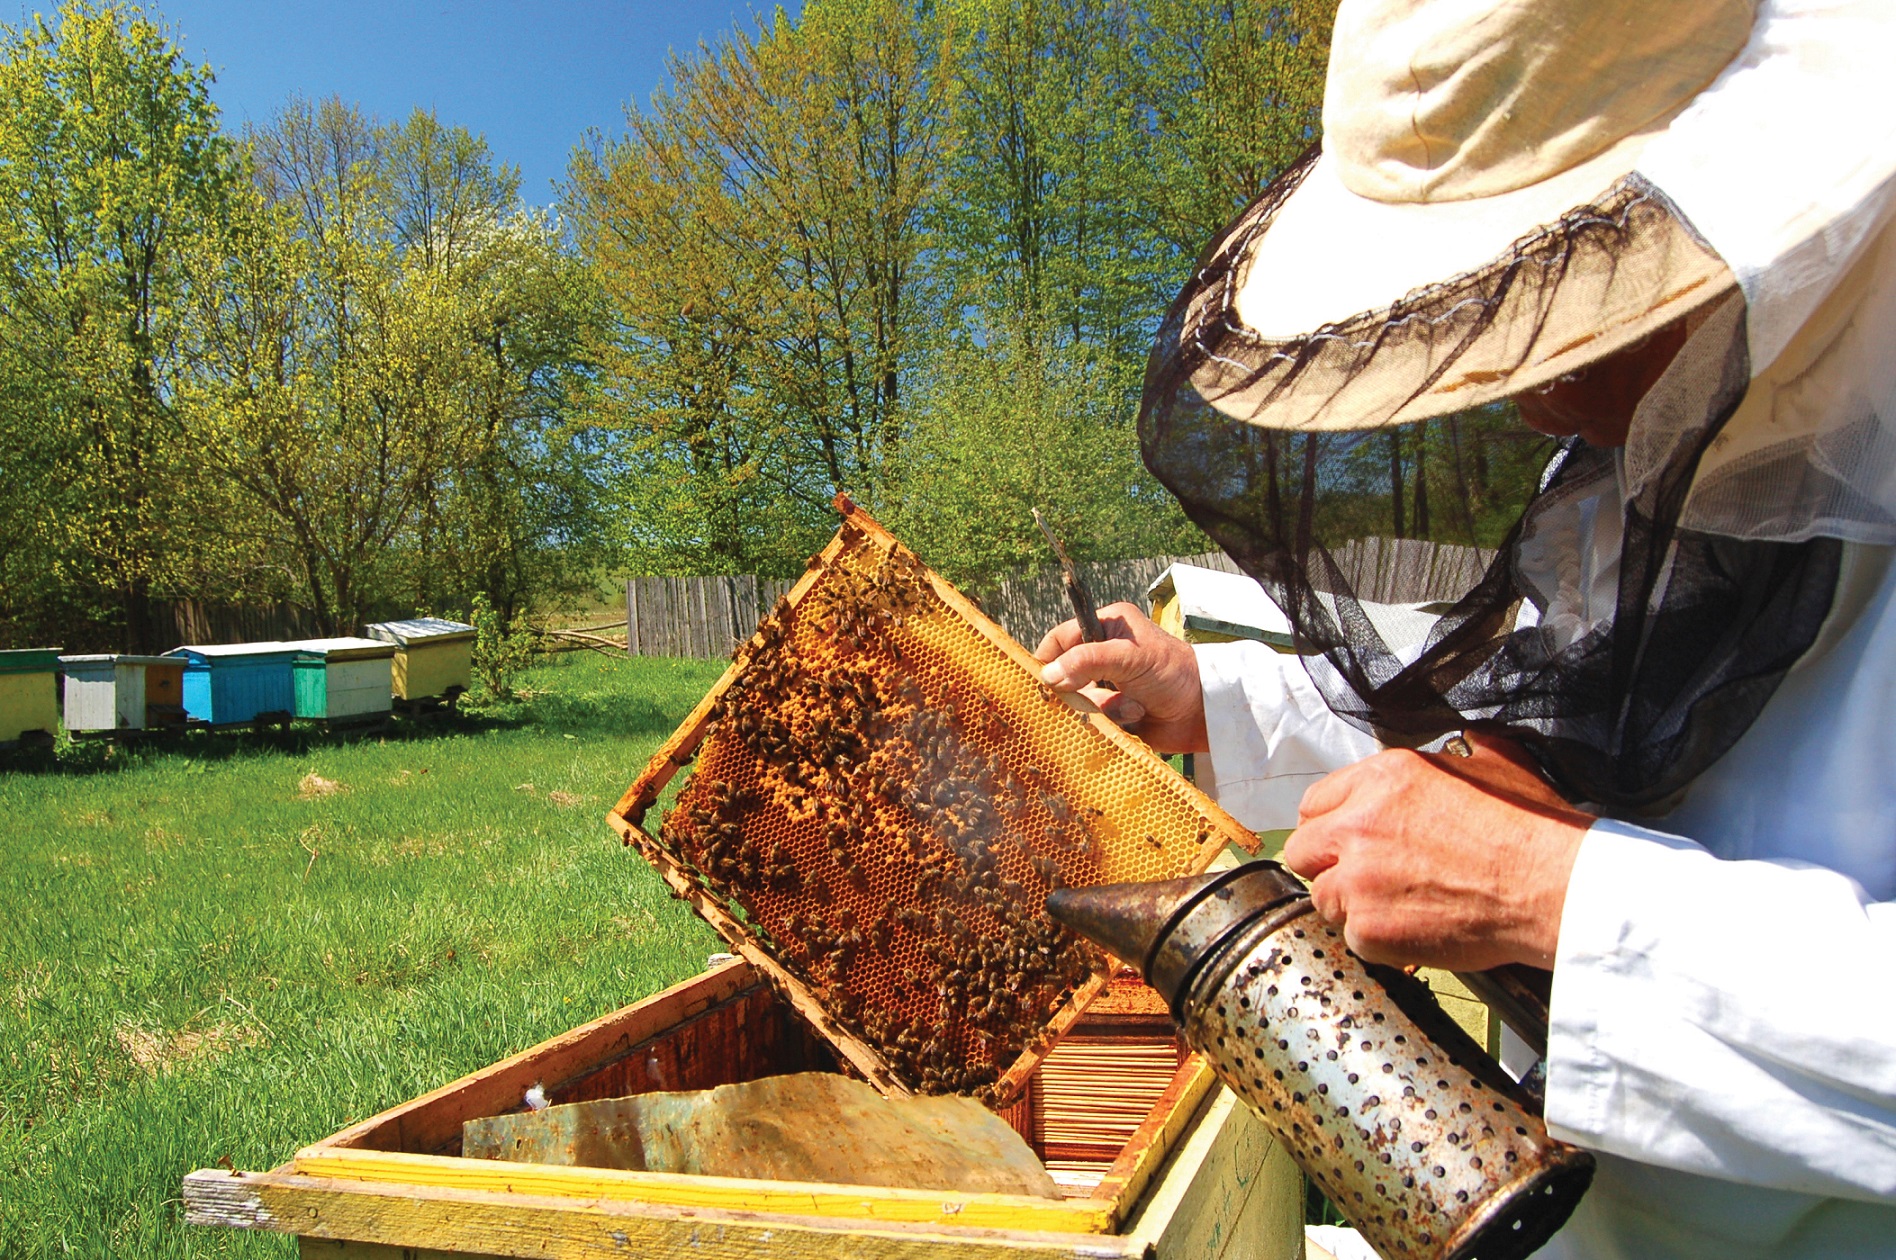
(1508,191)
(1480,220)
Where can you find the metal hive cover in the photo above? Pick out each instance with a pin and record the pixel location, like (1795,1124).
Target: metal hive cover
(883,794)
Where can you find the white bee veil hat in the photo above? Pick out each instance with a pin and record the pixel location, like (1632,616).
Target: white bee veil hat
(1510,190)
(1506,193)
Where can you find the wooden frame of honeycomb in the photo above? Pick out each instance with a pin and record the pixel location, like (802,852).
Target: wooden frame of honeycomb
(884,793)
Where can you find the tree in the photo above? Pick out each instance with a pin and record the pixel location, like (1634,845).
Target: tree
(1231,93)
(1098,147)
(387,344)
(111,168)
(1040,223)
(758,235)
(1006,427)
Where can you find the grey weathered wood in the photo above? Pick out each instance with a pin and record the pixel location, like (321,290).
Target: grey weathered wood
(710,616)
(214,1198)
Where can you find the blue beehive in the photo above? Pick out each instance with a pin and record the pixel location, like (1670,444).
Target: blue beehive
(229,683)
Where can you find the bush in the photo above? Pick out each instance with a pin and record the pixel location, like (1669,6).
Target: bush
(502,648)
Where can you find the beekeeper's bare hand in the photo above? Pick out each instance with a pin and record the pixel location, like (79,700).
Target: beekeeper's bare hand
(1155,674)
(1440,861)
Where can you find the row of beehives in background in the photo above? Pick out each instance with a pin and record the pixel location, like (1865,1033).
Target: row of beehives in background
(418,663)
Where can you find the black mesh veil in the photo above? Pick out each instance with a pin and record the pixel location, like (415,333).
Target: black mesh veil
(1461,571)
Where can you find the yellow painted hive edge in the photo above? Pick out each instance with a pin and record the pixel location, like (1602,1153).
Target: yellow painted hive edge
(432,1220)
(1159,1148)
(867,1203)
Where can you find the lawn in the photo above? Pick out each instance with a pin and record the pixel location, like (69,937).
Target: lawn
(206,954)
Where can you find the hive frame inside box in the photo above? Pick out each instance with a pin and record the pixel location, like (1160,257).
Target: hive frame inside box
(628,817)
(1200,1176)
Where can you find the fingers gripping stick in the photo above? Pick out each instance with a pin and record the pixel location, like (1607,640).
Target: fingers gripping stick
(1077,595)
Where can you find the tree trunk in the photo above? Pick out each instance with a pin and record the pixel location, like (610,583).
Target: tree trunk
(143,634)
(1395,483)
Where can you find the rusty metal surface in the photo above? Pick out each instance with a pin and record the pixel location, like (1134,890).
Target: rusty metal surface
(1168,928)
(1419,1137)
(1406,1124)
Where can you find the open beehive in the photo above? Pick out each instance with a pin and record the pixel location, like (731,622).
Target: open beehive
(1155,1163)
(883,794)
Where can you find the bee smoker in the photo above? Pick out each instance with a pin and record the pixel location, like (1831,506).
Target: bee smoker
(1422,1141)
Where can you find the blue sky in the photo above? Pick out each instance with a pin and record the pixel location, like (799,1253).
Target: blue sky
(531,77)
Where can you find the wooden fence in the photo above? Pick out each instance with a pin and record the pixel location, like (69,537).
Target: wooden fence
(1408,570)
(195,622)
(709,616)
(1027,607)
(696,616)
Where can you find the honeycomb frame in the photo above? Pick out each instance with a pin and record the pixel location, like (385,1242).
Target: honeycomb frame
(863,853)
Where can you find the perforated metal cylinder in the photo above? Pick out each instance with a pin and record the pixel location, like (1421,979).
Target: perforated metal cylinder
(1410,1128)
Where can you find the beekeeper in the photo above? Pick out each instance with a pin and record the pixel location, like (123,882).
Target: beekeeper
(1661,234)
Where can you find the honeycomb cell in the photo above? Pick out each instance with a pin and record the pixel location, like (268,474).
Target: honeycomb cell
(882,796)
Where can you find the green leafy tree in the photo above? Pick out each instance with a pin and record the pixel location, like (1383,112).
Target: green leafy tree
(387,347)
(758,236)
(1040,222)
(111,168)
(919,252)
(1008,427)
(503,646)
(1230,93)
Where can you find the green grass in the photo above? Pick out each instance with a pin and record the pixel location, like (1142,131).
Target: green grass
(198,963)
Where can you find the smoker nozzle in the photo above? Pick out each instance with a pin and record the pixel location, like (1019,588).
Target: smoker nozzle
(1168,929)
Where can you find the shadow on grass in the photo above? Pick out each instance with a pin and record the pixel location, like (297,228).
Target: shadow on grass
(593,698)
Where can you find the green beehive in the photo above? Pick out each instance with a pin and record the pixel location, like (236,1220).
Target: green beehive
(29,695)
(343,679)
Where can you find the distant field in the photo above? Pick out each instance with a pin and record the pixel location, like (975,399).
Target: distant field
(203,957)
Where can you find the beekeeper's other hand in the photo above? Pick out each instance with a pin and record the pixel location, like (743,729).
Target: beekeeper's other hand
(1440,861)
(1154,676)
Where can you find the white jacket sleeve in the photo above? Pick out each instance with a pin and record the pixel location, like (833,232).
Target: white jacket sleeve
(1735,1019)
(1271,734)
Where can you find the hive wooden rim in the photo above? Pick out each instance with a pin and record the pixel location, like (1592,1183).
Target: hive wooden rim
(628,816)
(343,1160)
(432,1219)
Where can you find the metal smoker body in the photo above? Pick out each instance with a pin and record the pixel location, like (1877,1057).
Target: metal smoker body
(1419,1137)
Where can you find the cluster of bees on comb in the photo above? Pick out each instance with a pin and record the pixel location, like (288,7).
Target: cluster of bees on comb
(874,818)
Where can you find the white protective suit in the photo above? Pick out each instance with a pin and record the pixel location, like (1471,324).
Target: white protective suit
(1724,1007)
(1724,1004)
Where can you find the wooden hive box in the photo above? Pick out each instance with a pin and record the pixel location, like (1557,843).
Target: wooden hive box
(111,692)
(1203,605)
(1156,1160)
(433,659)
(231,684)
(29,695)
(164,693)
(337,680)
